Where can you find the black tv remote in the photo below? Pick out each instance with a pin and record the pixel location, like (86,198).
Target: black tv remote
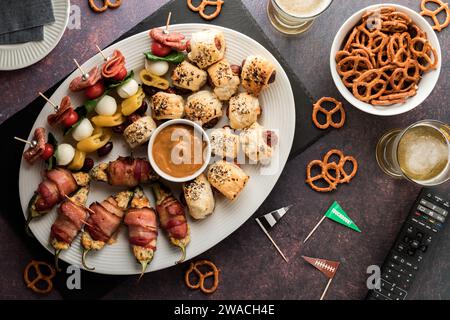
(419,232)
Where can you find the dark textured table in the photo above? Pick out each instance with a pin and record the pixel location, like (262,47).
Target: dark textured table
(251,268)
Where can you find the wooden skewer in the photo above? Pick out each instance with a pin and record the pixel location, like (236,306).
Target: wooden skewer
(32,143)
(88,224)
(101,52)
(166,31)
(314,229)
(271,240)
(79,204)
(55,106)
(85,76)
(326,289)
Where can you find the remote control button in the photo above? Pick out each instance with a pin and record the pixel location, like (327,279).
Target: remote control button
(410,230)
(439,226)
(428,240)
(440,218)
(419,236)
(401,248)
(411,252)
(423,248)
(414,244)
(446,204)
(406,239)
(441,211)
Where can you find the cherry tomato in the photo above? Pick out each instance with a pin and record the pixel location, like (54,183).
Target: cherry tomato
(95,91)
(48,151)
(160,50)
(121,74)
(70,119)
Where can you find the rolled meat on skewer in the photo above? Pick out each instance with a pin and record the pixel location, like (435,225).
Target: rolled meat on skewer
(113,65)
(80,83)
(103,223)
(142,228)
(71,217)
(56,185)
(35,151)
(125,172)
(172,218)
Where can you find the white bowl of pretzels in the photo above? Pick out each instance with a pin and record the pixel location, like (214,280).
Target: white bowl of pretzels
(385,59)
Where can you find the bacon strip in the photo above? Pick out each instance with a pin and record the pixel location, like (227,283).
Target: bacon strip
(78,84)
(142,227)
(128,172)
(172,217)
(113,66)
(173,39)
(102,224)
(64,107)
(33,153)
(49,195)
(64,180)
(69,222)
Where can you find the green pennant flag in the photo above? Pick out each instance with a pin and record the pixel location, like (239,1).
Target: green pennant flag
(336,213)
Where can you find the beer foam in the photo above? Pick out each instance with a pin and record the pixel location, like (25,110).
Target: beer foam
(303,8)
(424,155)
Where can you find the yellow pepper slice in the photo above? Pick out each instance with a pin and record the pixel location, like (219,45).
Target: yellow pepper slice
(132,103)
(78,160)
(98,139)
(151,80)
(108,121)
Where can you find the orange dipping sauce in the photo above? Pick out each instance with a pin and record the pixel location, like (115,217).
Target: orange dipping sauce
(178,150)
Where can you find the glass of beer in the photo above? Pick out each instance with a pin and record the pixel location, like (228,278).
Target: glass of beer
(419,153)
(295,16)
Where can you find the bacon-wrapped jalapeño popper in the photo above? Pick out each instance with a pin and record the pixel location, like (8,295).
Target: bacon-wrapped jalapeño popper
(142,228)
(56,185)
(103,223)
(172,218)
(72,215)
(124,172)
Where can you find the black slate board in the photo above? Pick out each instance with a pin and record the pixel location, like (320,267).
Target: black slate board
(235,16)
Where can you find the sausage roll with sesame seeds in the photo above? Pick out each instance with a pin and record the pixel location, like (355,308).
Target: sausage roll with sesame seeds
(206,48)
(227,178)
(139,132)
(189,77)
(243,110)
(257,74)
(224,82)
(257,143)
(204,108)
(166,106)
(224,143)
(199,197)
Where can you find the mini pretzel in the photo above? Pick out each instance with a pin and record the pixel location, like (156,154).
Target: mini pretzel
(106,4)
(202,276)
(427,58)
(324,174)
(433,14)
(372,84)
(39,276)
(202,6)
(344,177)
(329,114)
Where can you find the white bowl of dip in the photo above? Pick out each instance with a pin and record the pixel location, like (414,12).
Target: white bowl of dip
(178,154)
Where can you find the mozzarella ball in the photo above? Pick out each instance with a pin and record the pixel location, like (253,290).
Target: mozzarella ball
(64,154)
(158,68)
(128,89)
(107,106)
(83,130)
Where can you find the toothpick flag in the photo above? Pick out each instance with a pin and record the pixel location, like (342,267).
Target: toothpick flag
(327,267)
(269,220)
(335,213)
